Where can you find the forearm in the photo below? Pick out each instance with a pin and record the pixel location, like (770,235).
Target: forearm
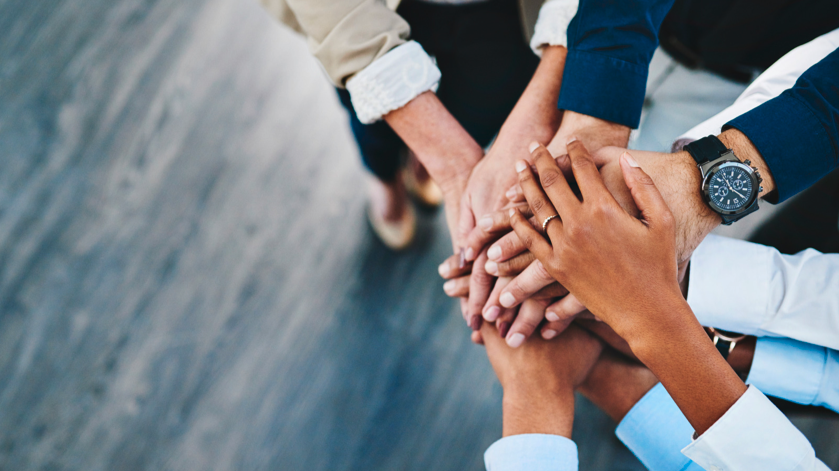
(616,384)
(536,116)
(443,146)
(681,355)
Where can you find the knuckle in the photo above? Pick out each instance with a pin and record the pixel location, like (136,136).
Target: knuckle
(549,178)
(537,204)
(582,161)
(541,272)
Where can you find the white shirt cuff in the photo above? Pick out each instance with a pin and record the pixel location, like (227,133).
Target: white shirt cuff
(788,369)
(532,452)
(719,265)
(391,81)
(655,430)
(753,434)
(552,24)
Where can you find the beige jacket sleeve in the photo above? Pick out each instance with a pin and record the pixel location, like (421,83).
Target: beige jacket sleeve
(344,35)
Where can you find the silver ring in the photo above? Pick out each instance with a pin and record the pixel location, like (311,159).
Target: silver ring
(547,220)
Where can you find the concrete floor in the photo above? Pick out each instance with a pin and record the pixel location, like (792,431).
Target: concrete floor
(187,280)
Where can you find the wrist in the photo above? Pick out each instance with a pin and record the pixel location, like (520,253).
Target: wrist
(551,414)
(745,150)
(678,179)
(669,317)
(443,146)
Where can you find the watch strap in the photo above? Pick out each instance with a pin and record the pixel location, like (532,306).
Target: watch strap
(706,149)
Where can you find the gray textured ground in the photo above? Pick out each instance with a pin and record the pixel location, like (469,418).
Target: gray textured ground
(186,277)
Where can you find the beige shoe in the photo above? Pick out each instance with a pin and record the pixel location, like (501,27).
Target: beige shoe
(397,235)
(426,193)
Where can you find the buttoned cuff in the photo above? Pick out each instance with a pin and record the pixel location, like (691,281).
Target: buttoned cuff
(788,369)
(603,87)
(752,434)
(552,26)
(717,266)
(655,430)
(391,81)
(532,452)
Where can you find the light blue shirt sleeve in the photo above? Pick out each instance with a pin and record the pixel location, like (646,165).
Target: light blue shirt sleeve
(655,430)
(532,452)
(796,371)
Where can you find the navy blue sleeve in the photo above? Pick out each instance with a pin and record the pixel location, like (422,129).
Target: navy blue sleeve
(797,132)
(610,45)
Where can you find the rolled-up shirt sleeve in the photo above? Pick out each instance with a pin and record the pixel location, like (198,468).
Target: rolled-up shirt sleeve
(552,25)
(532,452)
(391,81)
(610,45)
(797,133)
(754,289)
(796,371)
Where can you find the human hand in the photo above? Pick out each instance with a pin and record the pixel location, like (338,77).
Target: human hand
(594,242)
(594,132)
(539,379)
(534,116)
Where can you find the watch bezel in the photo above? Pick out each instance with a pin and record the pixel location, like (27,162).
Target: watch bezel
(706,195)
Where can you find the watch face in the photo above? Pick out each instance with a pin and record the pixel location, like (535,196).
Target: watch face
(731,187)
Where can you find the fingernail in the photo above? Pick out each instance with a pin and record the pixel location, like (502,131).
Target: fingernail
(448,286)
(551,316)
(533,145)
(512,211)
(470,254)
(507,300)
(570,140)
(461,261)
(598,319)
(444,270)
(492,313)
(494,252)
(475,323)
(521,165)
(491,267)
(511,193)
(515,340)
(630,160)
(485,223)
(548,334)
(503,328)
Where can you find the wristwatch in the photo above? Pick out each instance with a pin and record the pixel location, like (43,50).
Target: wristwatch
(729,187)
(724,341)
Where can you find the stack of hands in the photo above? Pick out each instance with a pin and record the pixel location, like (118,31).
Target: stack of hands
(585,238)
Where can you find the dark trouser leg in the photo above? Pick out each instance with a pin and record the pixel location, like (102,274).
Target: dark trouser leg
(811,220)
(486,65)
(380,147)
(481,51)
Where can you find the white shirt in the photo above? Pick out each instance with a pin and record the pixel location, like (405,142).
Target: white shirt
(754,289)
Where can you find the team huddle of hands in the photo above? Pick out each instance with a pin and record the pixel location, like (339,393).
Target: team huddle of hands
(607,243)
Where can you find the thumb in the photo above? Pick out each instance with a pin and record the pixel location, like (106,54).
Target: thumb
(465,224)
(647,197)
